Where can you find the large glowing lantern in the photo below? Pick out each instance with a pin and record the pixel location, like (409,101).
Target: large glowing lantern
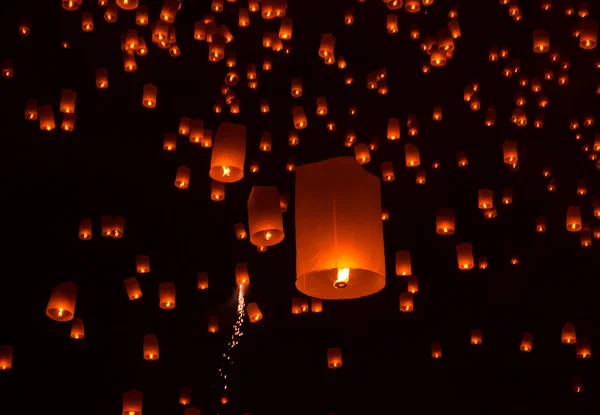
(228,154)
(132,402)
(334,358)
(264,216)
(61,306)
(339,234)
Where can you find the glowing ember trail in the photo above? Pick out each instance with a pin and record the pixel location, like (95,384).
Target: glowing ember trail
(234,341)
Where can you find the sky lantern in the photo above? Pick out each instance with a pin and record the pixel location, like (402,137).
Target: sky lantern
(393,4)
(169,11)
(412,156)
(216,48)
(24,27)
(464,256)
(568,335)
(213,324)
(196,130)
(293,139)
(284,201)
(316,305)
(392,23)
(142,264)
(585,237)
(67,101)
(574,219)
(166,295)
(77,329)
(583,349)
(128,4)
(129,62)
(327,46)
(68,123)
(445,221)
(403,263)
(229,153)
(362,153)
(321,106)
(149,96)
(217,190)
(132,402)
(185,395)
(299,117)
(490,116)
(406,302)
(150,347)
(387,171)
(101,78)
(461,159)
(527,342)
(438,56)
(421,176)
(240,231)
(285,28)
(541,41)
(87,22)
(31,110)
(540,225)
(133,289)
(412,6)
(339,235)
(413,284)
(334,358)
(7,68)
(241,274)
(170,143)
(264,216)
(61,306)
(486,199)
(476,337)
(393,129)
(85,229)
(437,113)
(454,28)
(253,312)
(436,350)
(490,213)
(71,5)
(510,151)
(217,6)
(507,195)
(106,225)
(111,13)
(589,34)
(296,305)
(6,357)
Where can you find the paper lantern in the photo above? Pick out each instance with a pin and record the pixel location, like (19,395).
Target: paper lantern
(61,306)
(527,342)
(196,130)
(510,151)
(7,68)
(393,129)
(166,295)
(403,263)
(293,139)
(141,15)
(24,27)
(243,18)
(299,118)
(486,199)
(6,357)
(229,152)
(77,329)
(583,349)
(132,402)
(149,96)
(241,274)
(170,144)
(436,350)
(585,238)
(284,201)
(182,177)
(285,28)
(490,213)
(240,231)
(445,221)
(71,4)
(327,46)
(217,190)
(185,396)
(316,305)
(568,335)
(577,384)
(392,23)
(540,225)
(334,358)
(413,284)
(464,255)
(264,216)
(541,41)
(150,347)
(216,48)
(106,225)
(142,264)
(213,324)
(348,17)
(476,337)
(461,158)
(31,109)
(387,171)
(361,153)
(574,219)
(133,289)
(413,159)
(589,34)
(87,22)
(296,306)
(129,61)
(169,11)
(253,312)
(339,236)
(406,302)
(85,229)
(217,5)
(101,78)
(128,4)
(111,13)
(68,123)
(412,6)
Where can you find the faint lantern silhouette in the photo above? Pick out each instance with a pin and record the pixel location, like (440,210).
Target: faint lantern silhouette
(436,350)
(568,335)
(476,337)
(334,358)
(132,402)
(142,264)
(6,357)
(213,324)
(150,347)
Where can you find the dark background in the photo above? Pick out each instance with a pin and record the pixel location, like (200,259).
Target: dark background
(113,164)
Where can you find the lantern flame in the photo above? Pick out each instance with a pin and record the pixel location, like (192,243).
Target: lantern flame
(343,276)
(226,171)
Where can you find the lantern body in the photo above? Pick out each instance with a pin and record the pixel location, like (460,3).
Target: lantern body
(203,280)
(403,265)
(541,41)
(77,329)
(445,220)
(196,130)
(326,49)
(264,216)
(476,337)
(166,295)
(588,36)
(240,230)
(149,96)
(182,178)
(31,109)
(406,302)
(128,4)
(132,402)
(338,230)
(61,306)
(185,396)
(6,357)
(574,219)
(241,274)
(228,154)
(387,171)
(436,350)
(361,153)
(46,117)
(583,349)
(413,158)
(142,264)
(413,284)
(393,129)
(133,289)
(527,343)
(217,191)
(85,229)
(213,324)
(334,358)
(486,199)
(68,123)
(150,347)
(510,152)
(568,334)
(464,255)
(253,312)
(71,4)
(316,305)
(299,118)
(101,78)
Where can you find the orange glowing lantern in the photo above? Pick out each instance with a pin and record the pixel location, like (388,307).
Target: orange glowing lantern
(77,329)
(486,199)
(217,190)
(527,342)
(406,302)
(296,306)
(132,402)
(240,231)
(589,34)
(332,262)
(216,48)
(299,118)
(169,11)
(253,312)
(185,396)
(334,358)
(229,152)
(361,153)
(264,216)
(585,238)
(412,156)
(101,78)
(293,139)
(393,129)
(133,289)
(241,274)
(461,158)
(574,219)
(142,264)
(392,23)
(387,171)
(61,306)
(149,96)
(7,69)
(296,87)
(150,347)
(412,6)
(71,4)
(213,324)
(568,335)
(285,28)
(182,177)
(507,195)
(85,229)
(476,337)
(67,101)
(541,41)
(6,357)
(31,109)
(577,384)
(107,225)
(540,225)
(170,143)
(464,256)
(166,295)
(316,305)
(321,106)
(583,349)
(403,264)
(436,350)
(196,130)
(68,123)
(284,201)
(445,221)
(129,61)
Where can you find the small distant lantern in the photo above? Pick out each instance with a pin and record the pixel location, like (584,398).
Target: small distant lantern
(213,324)
(316,305)
(241,274)
(486,199)
(393,129)
(445,221)
(68,123)
(85,229)
(217,190)
(61,306)
(150,347)
(540,225)
(240,231)
(334,358)
(527,342)
(166,295)
(461,158)
(568,335)
(67,101)
(182,177)
(387,171)
(185,396)
(403,263)
(574,219)
(31,109)
(361,153)
(111,13)
(412,156)
(476,337)
(436,350)
(583,349)
(299,118)
(133,289)
(6,357)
